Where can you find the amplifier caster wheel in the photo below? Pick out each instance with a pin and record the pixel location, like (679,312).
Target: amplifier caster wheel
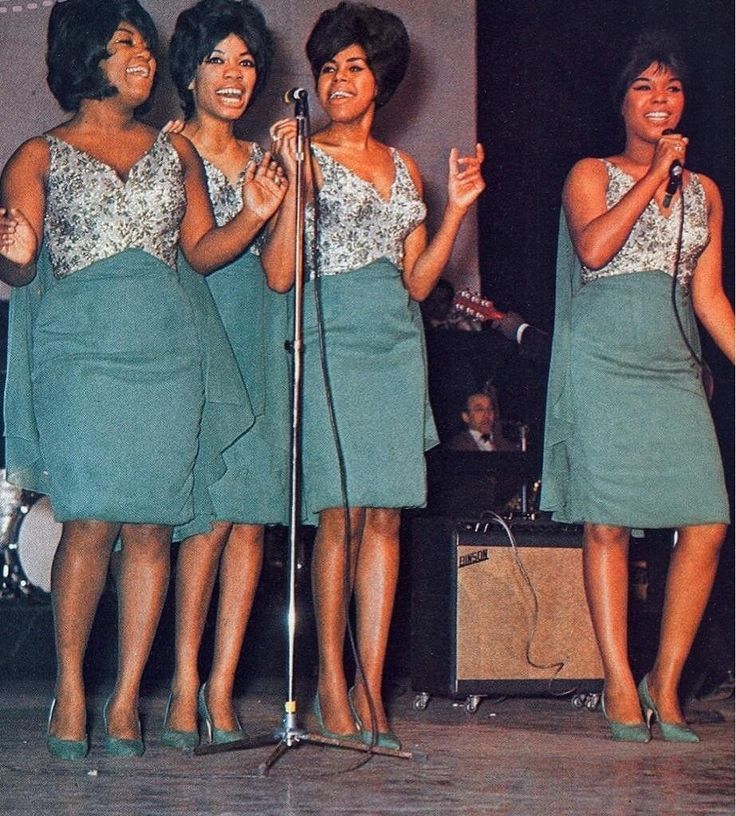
(592,701)
(472,702)
(421,701)
(589,701)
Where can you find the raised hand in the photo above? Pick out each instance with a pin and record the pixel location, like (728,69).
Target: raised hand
(465,181)
(264,187)
(18,240)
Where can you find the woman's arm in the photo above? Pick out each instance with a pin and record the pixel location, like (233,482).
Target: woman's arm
(599,233)
(206,246)
(277,255)
(709,300)
(22,208)
(424,262)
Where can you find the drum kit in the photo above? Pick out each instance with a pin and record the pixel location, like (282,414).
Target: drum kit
(29,536)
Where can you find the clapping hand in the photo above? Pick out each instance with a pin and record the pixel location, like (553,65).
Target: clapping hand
(465,181)
(18,240)
(264,187)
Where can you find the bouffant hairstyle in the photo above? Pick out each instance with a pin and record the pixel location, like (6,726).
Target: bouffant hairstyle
(78,34)
(649,47)
(200,28)
(381,34)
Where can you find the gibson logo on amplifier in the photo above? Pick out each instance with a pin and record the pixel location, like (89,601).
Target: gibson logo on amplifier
(472,558)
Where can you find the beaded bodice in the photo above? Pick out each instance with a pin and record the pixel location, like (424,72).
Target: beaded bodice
(92,214)
(652,243)
(226,198)
(356,225)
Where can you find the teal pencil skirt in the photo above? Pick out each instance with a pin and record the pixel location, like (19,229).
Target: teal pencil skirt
(643,451)
(118,392)
(376,379)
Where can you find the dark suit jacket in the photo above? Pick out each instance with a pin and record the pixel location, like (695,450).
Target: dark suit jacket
(464,441)
(535,345)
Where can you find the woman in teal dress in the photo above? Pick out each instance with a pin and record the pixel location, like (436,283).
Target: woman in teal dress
(107,380)
(629,440)
(220,56)
(370,264)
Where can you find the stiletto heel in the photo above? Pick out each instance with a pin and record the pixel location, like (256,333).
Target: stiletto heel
(671,732)
(623,732)
(183,740)
(383,739)
(65,748)
(216,735)
(352,736)
(118,746)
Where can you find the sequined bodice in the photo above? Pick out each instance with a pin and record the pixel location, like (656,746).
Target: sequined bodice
(356,225)
(652,243)
(92,214)
(226,198)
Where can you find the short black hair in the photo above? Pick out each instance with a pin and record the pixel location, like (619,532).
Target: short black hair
(78,34)
(201,27)
(381,34)
(651,46)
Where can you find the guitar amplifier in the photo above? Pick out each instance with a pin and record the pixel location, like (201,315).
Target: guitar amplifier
(492,615)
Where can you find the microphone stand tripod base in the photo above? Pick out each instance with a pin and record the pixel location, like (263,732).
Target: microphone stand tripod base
(255,741)
(352,745)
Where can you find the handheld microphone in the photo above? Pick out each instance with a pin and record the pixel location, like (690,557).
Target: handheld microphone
(675,176)
(294,95)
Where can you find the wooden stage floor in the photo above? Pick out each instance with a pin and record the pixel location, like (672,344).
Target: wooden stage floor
(513,756)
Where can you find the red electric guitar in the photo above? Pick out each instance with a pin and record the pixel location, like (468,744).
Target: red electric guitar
(474,306)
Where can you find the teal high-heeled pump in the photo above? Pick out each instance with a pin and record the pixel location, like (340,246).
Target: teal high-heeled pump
(625,732)
(119,746)
(379,739)
(65,748)
(215,735)
(351,736)
(171,738)
(671,732)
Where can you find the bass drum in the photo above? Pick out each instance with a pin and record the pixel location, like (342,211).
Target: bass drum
(38,538)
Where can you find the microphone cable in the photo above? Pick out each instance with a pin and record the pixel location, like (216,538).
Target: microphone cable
(557,665)
(673,291)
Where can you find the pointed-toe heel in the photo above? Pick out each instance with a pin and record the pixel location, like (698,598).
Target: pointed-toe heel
(65,748)
(119,746)
(625,732)
(351,736)
(215,735)
(379,739)
(671,732)
(171,738)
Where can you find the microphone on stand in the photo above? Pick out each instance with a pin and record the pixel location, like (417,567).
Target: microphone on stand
(675,176)
(298,98)
(294,94)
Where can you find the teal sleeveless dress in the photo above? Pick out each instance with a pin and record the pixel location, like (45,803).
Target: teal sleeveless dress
(107,374)
(254,489)
(629,438)
(365,403)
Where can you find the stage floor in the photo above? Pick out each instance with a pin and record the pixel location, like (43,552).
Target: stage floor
(513,756)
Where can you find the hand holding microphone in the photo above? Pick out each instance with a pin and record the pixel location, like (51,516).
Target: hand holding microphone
(676,169)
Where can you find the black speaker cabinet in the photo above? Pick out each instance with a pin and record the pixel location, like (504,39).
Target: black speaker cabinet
(492,618)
